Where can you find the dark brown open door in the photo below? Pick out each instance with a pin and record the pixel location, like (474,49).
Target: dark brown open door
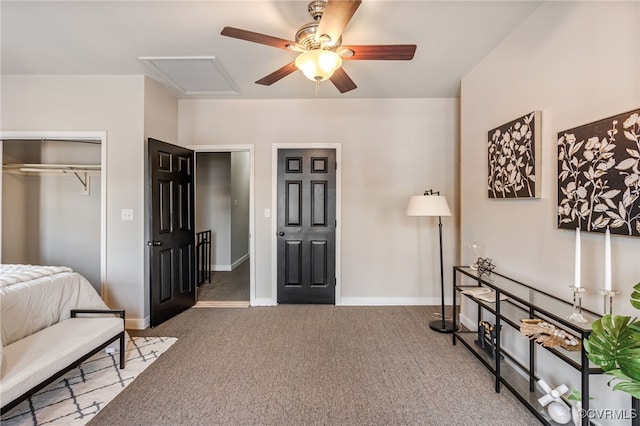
(171,229)
(306,225)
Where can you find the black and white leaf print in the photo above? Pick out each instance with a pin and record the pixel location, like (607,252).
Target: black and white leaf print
(512,157)
(599,175)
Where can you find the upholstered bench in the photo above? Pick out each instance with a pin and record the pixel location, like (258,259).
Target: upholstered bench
(33,362)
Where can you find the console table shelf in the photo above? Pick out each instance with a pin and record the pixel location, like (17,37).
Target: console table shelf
(522,301)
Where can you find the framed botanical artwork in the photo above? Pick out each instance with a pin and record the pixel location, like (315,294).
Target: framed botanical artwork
(599,175)
(514,164)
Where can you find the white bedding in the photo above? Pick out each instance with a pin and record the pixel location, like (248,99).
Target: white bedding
(15,273)
(37,297)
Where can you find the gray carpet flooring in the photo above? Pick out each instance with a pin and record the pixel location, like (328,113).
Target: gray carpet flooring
(311,365)
(227,286)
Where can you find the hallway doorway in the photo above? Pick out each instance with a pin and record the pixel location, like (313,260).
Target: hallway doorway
(224,206)
(227,286)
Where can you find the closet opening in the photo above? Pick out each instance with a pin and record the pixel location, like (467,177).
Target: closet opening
(52,193)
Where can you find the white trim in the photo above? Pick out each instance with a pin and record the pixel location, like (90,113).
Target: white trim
(239,262)
(392,301)
(274,212)
(72,135)
(252,240)
(136,323)
(468,322)
(264,302)
(221,268)
(222,148)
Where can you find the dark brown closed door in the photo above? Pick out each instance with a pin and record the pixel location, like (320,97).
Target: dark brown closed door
(306,225)
(171,229)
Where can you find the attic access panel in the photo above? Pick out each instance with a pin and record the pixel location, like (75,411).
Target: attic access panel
(194,75)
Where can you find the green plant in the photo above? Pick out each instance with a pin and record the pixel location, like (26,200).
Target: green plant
(614,345)
(576,395)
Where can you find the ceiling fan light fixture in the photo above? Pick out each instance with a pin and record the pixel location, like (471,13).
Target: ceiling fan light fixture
(318,65)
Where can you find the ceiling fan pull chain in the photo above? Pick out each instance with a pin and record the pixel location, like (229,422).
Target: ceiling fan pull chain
(317,87)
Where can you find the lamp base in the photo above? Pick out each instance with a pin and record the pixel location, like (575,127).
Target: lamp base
(441,326)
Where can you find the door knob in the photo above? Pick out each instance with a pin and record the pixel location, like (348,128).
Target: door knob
(281,233)
(154,243)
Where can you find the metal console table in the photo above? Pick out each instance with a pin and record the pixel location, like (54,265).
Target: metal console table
(522,301)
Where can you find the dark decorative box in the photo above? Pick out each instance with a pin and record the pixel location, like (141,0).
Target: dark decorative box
(487,338)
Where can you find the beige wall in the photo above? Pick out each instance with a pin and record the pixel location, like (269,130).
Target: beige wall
(160,112)
(160,122)
(114,104)
(577,62)
(20,206)
(70,220)
(240,194)
(391,149)
(213,204)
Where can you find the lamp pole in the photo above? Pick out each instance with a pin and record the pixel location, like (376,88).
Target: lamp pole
(441,326)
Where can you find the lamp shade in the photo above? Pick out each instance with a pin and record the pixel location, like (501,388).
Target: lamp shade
(318,65)
(428,205)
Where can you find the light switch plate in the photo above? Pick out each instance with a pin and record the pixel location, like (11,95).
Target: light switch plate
(126,214)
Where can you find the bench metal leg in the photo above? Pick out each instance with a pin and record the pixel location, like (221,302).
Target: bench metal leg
(122,339)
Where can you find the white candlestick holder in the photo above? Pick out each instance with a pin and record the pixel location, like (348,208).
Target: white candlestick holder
(576,315)
(608,300)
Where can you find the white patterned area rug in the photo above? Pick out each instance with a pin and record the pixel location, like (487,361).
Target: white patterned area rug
(78,396)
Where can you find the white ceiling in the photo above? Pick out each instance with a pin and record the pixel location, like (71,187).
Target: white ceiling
(109,37)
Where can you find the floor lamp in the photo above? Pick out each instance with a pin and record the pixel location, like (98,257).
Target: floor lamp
(433,204)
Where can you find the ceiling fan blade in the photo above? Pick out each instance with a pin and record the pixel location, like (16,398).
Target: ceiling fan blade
(390,52)
(256,37)
(335,18)
(277,75)
(342,81)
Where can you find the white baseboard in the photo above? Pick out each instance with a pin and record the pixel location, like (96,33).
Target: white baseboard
(392,301)
(136,323)
(264,302)
(222,268)
(227,268)
(239,262)
(468,322)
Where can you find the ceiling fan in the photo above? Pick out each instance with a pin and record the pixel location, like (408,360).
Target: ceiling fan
(320,45)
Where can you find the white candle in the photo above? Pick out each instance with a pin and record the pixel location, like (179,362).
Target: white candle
(607,260)
(577,271)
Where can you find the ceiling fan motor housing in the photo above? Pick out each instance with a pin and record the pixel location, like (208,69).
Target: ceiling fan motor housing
(307,35)
(316,9)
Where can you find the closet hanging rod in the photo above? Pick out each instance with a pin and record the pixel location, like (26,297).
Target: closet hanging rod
(91,141)
(45,168)
(57,169)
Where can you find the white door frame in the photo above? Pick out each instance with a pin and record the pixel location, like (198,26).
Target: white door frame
(252,247)
(102,137)
(274,212)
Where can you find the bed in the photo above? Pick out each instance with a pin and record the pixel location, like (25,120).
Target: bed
(43,294)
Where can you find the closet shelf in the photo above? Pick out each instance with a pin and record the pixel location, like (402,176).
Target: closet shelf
(52,168)
(76,170)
